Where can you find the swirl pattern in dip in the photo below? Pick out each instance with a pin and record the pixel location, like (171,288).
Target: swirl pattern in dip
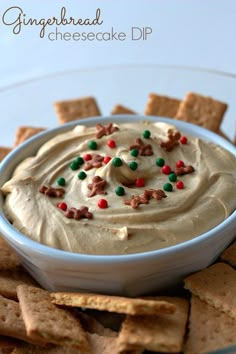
(114,224)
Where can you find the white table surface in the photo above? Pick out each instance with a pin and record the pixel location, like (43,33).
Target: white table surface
(194,33)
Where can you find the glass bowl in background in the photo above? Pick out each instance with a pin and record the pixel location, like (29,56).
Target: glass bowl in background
(31,102)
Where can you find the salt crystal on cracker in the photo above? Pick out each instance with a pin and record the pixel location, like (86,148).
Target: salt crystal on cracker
(201,110)
(45,321)
(70,110)
(209,329)
(162,333)
(216,285)
(132,306)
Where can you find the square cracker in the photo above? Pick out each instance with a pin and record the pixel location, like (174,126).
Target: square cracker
(70,110)
(229,255)
(11,321)
(162,106)
(201,110)
(130,306)
(216,285)
(161,333)
(4,151)
(98,345)
(45,321)
(23,133)
(209,329)
(119,109)
(8,257)
(11,278)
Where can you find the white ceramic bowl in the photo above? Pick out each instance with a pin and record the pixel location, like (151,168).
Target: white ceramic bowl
(131,275)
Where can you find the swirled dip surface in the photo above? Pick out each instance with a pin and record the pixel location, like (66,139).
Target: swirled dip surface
(208,196)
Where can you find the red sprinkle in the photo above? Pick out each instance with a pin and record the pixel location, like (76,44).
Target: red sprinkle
(140,182)
(166,170)
(111,143)
(102,203)
(87,157)
(107,159)
(180,185)
(183,140)
(62,206)
(180,163)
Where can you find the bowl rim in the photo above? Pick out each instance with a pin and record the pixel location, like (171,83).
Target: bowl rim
(16,237)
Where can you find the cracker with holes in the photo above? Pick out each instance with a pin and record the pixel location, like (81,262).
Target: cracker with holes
(215,285)
(11,321)
(11,278)
(162,333)
(45,321)
(4,151)
(120,109)
(163,106)
(8,257)
(201,110)
(25,132)
(118,304)
(71,110)
(229,255)
(209,328)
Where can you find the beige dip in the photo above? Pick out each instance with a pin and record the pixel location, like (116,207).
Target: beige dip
(208,196)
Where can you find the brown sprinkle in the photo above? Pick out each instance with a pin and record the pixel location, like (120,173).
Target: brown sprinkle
(97,186)
(144,198)
(184,170)
(52,192)
(95,162)
(77,214)
(105,130)
(144,149)
(172,141)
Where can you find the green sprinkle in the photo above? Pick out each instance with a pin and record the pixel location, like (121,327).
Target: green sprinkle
(160,162)
(172,177)
(168,187)
(92,145)
(146,134)
(74,165)
(82,175)
(133,165)
(134,152)
(61,181)
(120,191)
(80,160)
(117,162)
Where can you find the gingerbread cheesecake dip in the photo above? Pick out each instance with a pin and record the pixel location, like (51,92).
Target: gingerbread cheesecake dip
(121,189)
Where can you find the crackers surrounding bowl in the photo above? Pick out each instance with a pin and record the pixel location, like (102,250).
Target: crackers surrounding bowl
(197,320)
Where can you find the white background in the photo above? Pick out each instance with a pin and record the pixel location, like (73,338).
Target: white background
(195,33)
